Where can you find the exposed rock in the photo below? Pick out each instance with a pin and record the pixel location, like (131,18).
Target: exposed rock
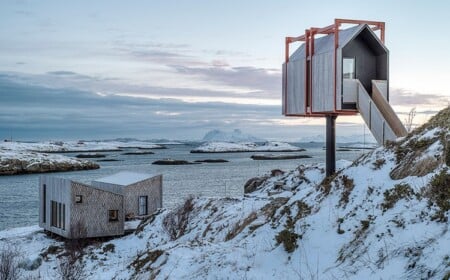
(254,183)
(276,172)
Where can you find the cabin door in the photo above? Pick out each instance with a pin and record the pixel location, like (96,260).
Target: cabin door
(143,207)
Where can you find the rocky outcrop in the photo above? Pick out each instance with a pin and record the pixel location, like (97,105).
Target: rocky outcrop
(254,183)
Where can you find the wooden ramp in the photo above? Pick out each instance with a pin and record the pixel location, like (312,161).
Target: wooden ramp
(378,114)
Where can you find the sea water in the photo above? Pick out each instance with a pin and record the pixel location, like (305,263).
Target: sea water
(19,193)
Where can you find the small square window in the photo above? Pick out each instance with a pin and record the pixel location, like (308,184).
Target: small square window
(113,215)
(78,199)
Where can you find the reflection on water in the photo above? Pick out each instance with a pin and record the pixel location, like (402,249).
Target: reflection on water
(19,195)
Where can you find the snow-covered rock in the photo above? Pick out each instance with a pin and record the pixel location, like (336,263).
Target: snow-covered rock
(359,224)
(227,147)
(234,136)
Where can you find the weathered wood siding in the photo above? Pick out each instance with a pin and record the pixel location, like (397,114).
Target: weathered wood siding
(57,189)
(151,187)
(91,215)
(339,82)
(296,87)
(283,89)
(323,82)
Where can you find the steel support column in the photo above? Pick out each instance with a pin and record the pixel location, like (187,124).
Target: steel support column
(331,145)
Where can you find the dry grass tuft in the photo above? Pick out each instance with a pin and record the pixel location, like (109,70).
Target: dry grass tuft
(176,222)
(239,227)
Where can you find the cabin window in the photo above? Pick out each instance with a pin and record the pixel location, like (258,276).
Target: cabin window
(58,215)
(78,199)
(143,209)
(348,68)
(113,215)
(64,217)
(44,198)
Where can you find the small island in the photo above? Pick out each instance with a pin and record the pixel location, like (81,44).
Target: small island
(26,162)
(230,147)
(138,153)
(278,157)
(169,161)
(90,155)
(211,160)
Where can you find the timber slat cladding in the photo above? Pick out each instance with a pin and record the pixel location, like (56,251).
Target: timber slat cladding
(152,188)
(92,214)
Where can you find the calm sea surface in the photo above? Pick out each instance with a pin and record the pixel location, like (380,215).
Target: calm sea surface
(19,194)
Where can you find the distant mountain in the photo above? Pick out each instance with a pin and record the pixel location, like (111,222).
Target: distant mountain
(236,135)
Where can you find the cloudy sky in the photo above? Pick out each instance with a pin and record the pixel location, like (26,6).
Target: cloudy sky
(176,69)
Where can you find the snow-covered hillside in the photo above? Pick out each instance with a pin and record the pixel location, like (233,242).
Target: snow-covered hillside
(384,216)
(227,147)
(234,136)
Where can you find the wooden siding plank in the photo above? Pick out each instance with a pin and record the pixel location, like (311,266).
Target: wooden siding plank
(322,84)
(283,89)
(296,87)
(339,90)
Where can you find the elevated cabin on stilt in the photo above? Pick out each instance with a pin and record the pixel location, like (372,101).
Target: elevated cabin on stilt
(343,72)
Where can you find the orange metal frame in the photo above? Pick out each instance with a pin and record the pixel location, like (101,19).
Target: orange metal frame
(308,38)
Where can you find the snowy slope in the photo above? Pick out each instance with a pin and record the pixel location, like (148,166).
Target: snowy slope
(385,216)
(227,147)
(234,136)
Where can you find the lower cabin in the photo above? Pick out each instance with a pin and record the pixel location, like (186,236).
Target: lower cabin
(76,210)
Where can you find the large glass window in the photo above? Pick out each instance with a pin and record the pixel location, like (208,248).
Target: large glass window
(348,68)
(58,215)
(143,209)
(44,204)
(54,214)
